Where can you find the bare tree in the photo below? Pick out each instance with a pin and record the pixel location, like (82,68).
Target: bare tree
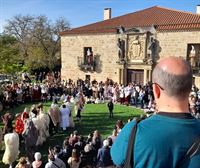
(20,27)
(38,38)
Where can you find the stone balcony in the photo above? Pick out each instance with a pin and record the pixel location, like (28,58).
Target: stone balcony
(196,70)
(195,67)
(86,65)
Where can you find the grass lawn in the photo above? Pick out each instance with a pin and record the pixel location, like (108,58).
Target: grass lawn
(94,117)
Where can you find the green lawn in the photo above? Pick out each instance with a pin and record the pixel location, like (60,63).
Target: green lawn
(94,117)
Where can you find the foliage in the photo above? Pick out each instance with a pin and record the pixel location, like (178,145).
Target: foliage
(38,39)
(10,59)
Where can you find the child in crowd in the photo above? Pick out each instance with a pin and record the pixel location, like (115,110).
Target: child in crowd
(110,108)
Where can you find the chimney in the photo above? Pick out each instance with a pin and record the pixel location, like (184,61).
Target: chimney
(198,9)
(107,13)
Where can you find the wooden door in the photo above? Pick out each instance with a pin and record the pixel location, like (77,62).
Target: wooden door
(136,76)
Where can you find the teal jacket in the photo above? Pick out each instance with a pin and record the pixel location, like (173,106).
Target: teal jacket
(161,142)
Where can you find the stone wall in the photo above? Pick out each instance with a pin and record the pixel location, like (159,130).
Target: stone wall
(197,81)
(105,46)
(175,43)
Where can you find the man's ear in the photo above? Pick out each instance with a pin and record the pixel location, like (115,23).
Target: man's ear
(156,91)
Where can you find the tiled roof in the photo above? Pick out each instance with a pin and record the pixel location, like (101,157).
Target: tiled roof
(162,18)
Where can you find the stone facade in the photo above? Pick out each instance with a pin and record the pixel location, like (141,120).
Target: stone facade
(105,47)
(175,43)
(197,81)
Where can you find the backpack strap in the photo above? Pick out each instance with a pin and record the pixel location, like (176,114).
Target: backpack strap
(129,162)
(56,165)
(192,151)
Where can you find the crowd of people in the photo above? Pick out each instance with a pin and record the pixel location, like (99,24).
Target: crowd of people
(76,152)
(13,94)
(49,86)
(33,126)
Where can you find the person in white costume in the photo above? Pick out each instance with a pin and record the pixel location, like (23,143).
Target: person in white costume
(65,112)
(11,153)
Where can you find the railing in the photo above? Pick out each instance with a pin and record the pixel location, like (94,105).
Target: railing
(195,67)
(196,70)
(86,64)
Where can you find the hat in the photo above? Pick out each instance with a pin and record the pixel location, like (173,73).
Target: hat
(37,156)
(75,132)
(17,115)
(105,143)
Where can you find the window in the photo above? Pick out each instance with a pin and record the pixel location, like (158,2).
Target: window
(193,54)
(88,55)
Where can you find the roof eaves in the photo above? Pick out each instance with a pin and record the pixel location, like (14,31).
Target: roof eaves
(178,27)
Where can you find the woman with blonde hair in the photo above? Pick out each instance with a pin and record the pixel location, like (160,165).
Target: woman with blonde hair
(23,163)
(74,161)
(114,135)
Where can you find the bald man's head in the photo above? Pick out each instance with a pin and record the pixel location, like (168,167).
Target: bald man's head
(174,75)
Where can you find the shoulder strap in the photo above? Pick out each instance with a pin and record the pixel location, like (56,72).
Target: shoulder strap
(55,165)
(194,148)
(129,162)
(192,151)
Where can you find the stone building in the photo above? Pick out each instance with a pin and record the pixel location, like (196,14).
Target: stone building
(126,48)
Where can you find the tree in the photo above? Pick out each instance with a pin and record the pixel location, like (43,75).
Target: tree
(38,39)
(47,35)
(20,27)
(10,59)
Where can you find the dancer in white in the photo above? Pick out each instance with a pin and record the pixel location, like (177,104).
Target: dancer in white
(65,112)
(70,106)
(11,141)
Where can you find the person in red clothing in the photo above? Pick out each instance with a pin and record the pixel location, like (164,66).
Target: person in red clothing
(19,126)
(19,123)
(25,114)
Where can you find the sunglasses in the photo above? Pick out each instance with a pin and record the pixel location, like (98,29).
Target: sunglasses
(154,83)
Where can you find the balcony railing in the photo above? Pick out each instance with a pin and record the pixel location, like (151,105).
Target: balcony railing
(86,63)
(196,70)
(195,67)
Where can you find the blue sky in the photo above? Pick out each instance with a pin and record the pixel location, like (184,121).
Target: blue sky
(82,12)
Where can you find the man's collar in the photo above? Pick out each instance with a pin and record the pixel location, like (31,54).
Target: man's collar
(185,115)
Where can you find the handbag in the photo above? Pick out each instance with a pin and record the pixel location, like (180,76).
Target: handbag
(129,162)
